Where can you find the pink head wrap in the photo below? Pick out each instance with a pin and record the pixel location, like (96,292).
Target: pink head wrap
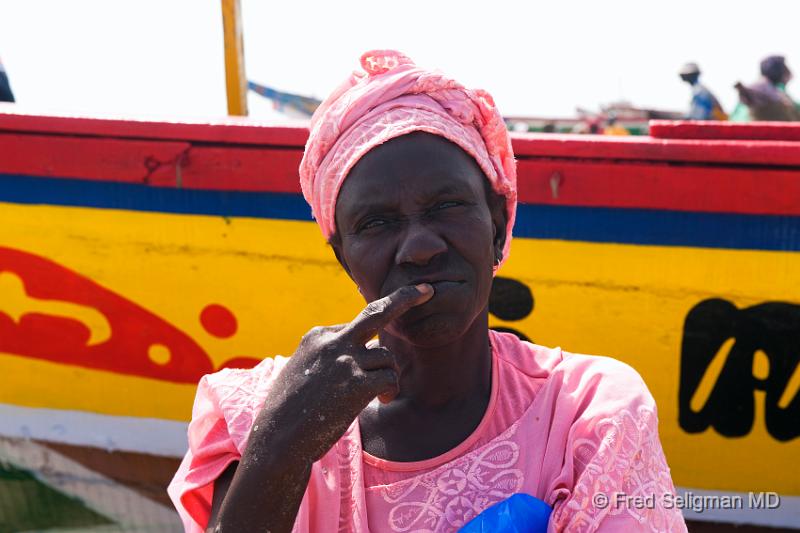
(394,98)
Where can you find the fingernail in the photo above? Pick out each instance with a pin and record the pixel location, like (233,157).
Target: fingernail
(424,288)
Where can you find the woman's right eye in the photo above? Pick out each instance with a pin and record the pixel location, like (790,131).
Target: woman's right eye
(372,223)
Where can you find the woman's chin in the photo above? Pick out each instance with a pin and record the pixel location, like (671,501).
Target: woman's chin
(433,331)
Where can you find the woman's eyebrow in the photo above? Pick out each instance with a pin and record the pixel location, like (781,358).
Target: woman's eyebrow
(367,208)
(445,189)
(450,188)
(425,195)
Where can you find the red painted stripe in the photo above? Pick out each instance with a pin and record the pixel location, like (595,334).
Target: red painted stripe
(662,186)
(709,147)
(226,130)
(762,153)
(273,170)
(594,170)
(754,131)
(118,160)
(159,163)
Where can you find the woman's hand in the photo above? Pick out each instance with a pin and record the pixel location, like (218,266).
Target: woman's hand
(332,375)
(329,380)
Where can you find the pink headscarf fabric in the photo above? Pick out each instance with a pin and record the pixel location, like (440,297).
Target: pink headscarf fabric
(393,98)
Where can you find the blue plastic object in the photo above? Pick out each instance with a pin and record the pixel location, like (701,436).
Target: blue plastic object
(521,513)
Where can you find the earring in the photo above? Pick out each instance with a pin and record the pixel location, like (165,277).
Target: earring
(498,256)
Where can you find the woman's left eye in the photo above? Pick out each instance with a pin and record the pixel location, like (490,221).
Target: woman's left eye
(445,205)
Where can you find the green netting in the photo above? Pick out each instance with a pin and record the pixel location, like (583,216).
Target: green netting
(26,504)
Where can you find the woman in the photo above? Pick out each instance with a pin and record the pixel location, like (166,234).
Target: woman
(412,180)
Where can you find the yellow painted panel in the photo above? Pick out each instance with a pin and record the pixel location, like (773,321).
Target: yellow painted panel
(630,302)
(279,279)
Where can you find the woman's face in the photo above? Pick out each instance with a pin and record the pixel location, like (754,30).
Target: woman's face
(416,209)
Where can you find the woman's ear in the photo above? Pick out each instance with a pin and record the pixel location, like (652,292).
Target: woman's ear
(497,206)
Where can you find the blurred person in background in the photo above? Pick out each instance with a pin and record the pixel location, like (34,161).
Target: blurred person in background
(589,125)
(767,98)
(613,127)
(704,105)
(595,126)
(5,88)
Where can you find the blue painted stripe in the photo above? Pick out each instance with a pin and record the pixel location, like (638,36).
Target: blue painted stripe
(659,227)
(111,195)
(591,224)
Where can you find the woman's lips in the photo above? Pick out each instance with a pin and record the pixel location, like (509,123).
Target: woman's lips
(443,287)
(446,299)
(439,287)
(444,284)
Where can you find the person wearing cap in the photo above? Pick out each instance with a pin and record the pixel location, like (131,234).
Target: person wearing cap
(767,99)
(704,105)
(414,415)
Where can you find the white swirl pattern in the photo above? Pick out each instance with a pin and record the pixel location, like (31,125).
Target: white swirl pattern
(453,494)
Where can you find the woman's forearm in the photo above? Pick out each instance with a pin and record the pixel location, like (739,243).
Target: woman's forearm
(267,487)
(329,380)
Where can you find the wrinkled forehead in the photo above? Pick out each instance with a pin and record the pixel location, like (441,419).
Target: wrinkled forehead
(415,163)
(418,151)
(415,155)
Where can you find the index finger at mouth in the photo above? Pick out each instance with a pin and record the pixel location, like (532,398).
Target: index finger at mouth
(379,313)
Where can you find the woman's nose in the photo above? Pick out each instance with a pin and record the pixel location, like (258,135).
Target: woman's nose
(419,245)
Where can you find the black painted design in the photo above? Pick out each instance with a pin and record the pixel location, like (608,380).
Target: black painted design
(510,300)
(772,328)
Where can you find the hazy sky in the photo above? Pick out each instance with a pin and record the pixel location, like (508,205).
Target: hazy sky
(164,58)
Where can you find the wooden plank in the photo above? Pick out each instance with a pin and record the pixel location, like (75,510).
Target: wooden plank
(548,181)
(241,169)
(526,145)
(224,130)
(127,161)
(235,77)
(146,474)
(707,129)
(721,152)
(659,186)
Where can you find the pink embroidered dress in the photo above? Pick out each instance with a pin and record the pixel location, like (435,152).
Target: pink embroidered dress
(561,427)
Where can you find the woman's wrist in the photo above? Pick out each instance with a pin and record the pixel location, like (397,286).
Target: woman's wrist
(275,444)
